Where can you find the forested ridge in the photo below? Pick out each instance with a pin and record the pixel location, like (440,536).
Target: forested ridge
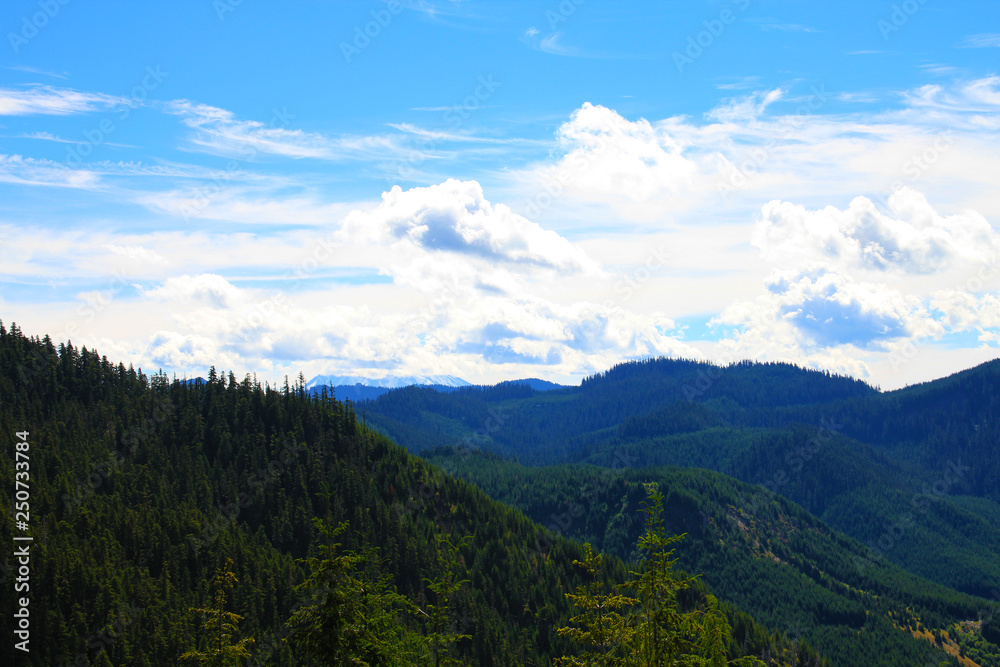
(909,474)
(912,473)
(754,548)
(176,521)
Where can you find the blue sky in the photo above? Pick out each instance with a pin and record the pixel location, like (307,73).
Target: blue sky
(503,189)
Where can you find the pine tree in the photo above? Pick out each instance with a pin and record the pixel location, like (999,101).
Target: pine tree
(438,616)
(601,626)
(354,616)
(221,625)
(663,630)
(659,633)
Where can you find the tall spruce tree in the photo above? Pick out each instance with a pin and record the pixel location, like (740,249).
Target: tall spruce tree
(353,616)
(220,625)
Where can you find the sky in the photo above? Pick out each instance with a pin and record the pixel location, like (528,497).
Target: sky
(503,189)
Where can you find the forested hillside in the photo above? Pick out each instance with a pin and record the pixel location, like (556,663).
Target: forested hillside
(912,474)
(157,506)
(753,547)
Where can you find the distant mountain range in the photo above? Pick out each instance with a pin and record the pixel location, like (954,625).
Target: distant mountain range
(388,382)
(356,388)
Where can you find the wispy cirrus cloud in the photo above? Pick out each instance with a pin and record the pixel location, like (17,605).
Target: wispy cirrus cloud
(48,136)
(220,131)
(743,83)
(48,100)
(31,171)
(35,70)
(981,41)
(782,27)
(554,44)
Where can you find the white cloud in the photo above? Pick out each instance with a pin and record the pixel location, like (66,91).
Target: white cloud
(746,109)
(911,238)
(47,100)
(138,254)
(30,171)
(218,130)
(454,218)
(814,315)
(963,310)
(632,165)
(981,41)
(209,289)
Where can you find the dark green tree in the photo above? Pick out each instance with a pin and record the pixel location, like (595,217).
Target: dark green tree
(601,625)
(439,615)
(353,617)
(220,625)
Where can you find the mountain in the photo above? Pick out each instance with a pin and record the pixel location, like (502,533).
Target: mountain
(388,381)
(536,384)
(763,553)
(912,474)
(142,492)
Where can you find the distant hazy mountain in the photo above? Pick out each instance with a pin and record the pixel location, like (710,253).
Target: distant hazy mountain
(536,384)
(387,382)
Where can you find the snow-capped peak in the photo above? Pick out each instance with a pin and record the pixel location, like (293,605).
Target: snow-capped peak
(388,381)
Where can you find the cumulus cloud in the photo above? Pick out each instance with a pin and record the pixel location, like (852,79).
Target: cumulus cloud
(911,237)
(815,313)
(609,158)
(209,289)
(211,320)
(963,310)
(455,219)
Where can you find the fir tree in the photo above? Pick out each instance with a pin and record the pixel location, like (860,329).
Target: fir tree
(221,626)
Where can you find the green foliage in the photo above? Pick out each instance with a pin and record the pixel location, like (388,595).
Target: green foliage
(991,627)
(601,626)
(659,632)
(220,626)
(353,615)
(913,474)
(439,615)
(143,488)
(774,561)
(664,631)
